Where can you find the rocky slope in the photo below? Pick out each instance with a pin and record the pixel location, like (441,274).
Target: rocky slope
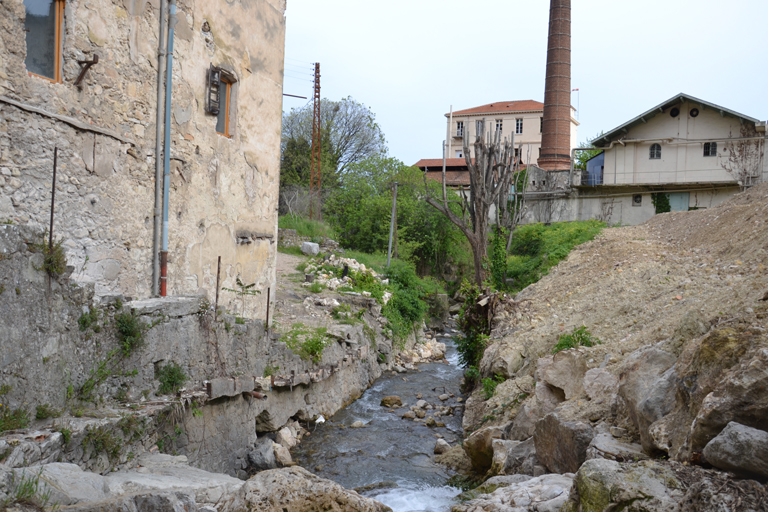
(679,305)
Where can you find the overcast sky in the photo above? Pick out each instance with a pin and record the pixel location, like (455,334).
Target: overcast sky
(411,60)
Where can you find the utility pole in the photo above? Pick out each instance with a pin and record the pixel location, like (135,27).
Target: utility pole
(315,178)
(392,225)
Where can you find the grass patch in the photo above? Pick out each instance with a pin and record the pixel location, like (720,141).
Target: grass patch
(489,385)
(102,439)
(536,248)
(28,491)
(171,377)
(270,370)
(291,249)
(13,419)
(579,337)
(305,227)
(45,411)
(315,287)
(307,342)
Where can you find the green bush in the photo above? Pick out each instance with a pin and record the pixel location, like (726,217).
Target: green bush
(102,439)
(474,326)
(489,385)
(54,258)
(171,377)
(88,319)
(315,287)
(130,332)
(579,337)
(661,202)
(13,419)
(45,411)
(307,342)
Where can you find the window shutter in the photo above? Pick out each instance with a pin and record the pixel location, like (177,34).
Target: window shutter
(214,90)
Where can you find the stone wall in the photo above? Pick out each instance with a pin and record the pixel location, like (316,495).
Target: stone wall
(223,194)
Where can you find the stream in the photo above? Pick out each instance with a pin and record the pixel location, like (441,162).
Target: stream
(390,456)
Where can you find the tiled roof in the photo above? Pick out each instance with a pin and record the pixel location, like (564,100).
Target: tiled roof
(452,178)
(502,106)
(438,162)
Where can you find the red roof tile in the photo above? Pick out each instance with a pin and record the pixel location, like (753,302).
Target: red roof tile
(502,106)
(452,178)
(438,162)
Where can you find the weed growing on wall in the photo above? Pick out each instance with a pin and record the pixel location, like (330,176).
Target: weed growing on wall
(54,258)
(579,337)
(489,385)
(243,290)
(88,319)
(28,490)
(130,332)
(307,342)
(45,411)
(102,439)
(171,377)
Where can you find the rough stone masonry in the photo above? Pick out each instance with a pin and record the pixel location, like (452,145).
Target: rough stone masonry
(223,189)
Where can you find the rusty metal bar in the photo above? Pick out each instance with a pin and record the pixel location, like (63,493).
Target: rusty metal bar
(218,278)
(267,322)
(86,66)
(53,198)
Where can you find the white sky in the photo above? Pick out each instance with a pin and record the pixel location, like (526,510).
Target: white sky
(411,60)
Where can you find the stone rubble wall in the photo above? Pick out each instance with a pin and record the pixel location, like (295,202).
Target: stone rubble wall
(224,190)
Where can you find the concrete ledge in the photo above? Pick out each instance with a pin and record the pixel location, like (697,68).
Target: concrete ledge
(170,306)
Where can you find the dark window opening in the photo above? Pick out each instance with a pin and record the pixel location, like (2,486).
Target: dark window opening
(222,118)
(460,128)
(44,26)
(518,126)
(655,152)
(710,149)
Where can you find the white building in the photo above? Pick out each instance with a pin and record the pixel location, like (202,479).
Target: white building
(519,119)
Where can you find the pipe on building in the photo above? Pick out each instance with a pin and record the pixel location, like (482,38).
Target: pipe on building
(158,151)
(167,154)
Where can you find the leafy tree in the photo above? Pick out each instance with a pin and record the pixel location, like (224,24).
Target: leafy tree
(359,211)
(583,156)
(349,134)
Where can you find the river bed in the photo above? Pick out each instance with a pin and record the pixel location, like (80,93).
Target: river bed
(393,454)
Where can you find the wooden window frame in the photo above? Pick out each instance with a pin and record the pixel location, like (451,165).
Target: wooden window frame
(227,105)
(59,46)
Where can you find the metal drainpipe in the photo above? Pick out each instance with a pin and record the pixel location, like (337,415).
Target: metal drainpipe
(167,154)
(158,152)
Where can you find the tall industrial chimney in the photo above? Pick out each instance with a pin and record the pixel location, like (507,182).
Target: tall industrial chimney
(556,127)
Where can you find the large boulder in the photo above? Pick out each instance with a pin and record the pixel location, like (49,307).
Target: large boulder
(479,447)
(67,483)
(262,456)
(605,446)
(296,490)
(602,485)
(600,384)
(740,449)
(741,396)
(561,445)
(647,386)
(543,402)
(563,373)
(503,358)
(546,493)
(521,459)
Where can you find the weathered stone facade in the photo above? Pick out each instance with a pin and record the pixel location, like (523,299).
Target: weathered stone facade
(223,193)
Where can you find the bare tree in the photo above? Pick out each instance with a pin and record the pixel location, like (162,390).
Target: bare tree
(489,176)
(510,207)
(744,157)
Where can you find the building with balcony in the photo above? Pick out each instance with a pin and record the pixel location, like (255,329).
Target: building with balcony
(520,120)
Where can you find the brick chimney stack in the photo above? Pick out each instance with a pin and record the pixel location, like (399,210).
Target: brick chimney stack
(556,129)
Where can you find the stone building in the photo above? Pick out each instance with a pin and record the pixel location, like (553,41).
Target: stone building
(224,168)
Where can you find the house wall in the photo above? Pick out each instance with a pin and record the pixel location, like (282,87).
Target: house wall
(224,191)
(531,136)
(682,141)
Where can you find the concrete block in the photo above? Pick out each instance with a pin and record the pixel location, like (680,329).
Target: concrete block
(221,387)
(310,248)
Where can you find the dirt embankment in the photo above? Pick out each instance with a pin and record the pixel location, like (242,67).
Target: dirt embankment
(633,287)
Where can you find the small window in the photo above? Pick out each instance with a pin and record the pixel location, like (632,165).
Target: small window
(44,26)
(459,128)
(518,126)
(459,153)
(517,152)
(222,118)
(499,125)
(655,152)
(710,149)
(539,152)
(541,125)
(478,127)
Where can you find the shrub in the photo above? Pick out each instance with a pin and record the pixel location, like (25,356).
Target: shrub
(28,491)
(315,287)
(45,411)
(489,385)
(54,258)
(660,202)
(305,227)
(307,342)
(102,439)
(474,326)
(579,337)
(130,332)
(171,377)
(13,419)
(86,320)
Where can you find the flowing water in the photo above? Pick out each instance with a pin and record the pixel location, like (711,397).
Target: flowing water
(392,457)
